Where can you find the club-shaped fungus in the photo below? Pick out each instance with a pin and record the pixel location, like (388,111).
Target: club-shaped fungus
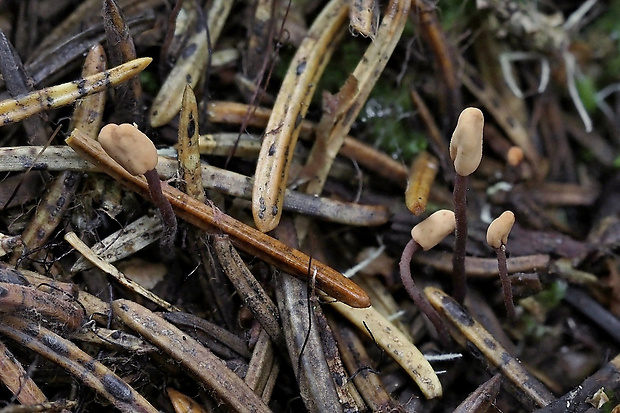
(426,235)
(497,237)
(466,153)
(135,152)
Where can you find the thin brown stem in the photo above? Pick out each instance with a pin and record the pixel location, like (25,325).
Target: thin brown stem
(416,294)
(506,286)
(167,213)
(458,260)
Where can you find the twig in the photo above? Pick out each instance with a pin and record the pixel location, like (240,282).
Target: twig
(360,366)
(17,380)
(608,377)
(300,328)
(190,322)
(62,158)
(263,365)
(485,267)
(243,236)
(482,398)
(18,298)
(249,289)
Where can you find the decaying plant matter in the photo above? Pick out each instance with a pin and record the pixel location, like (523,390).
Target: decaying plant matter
(295,247)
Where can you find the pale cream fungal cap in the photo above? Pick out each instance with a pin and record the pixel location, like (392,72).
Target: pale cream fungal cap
(433,229)
(498,231)
(466,142)
(132,149)
(514,156)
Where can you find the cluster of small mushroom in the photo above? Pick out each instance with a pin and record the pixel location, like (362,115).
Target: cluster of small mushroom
(466,153)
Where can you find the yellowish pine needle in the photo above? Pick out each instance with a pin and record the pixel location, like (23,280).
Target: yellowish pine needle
(14,110)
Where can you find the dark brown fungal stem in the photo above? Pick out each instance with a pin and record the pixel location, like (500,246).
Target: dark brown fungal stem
(459,285)
(416,294)
(426,235)
(165,208)
(506,286)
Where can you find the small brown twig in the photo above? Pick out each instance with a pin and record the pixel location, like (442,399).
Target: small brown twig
(243,236)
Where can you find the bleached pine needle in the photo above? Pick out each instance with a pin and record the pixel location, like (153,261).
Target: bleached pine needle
(188,147)
(126,241)
(364,17)
(396,344)
(201,362)
(473,333)
(192,64)
(290,108)
(14,110)
(108,268)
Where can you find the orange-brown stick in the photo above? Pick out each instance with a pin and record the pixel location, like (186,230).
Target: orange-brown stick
(243,236)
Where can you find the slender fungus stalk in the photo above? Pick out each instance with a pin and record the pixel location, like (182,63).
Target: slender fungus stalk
(135,152)
(466,153)
(497,236)
(426,235)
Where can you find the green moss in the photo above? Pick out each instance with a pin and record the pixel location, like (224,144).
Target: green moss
(454,13)
(609,21)
(342,64)
(531,328)
(551,296)
(386,120)
(149,82)
(587,92)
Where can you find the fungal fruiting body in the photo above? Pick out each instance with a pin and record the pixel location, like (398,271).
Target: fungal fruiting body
(135,152)
(426,235)
(466,153)
(466,142)
(499,229)
(434,229)
(497,237)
